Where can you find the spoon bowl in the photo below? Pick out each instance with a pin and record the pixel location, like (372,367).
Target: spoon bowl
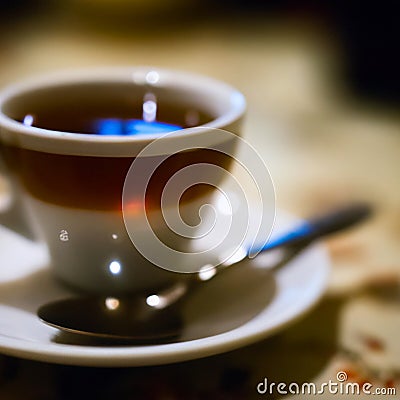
(130,320)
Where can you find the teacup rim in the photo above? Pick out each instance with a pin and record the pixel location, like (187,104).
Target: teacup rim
(60,142)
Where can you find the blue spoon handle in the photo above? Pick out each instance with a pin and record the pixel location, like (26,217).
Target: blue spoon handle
(321,226)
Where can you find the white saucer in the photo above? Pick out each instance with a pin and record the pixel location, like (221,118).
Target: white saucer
(26,283)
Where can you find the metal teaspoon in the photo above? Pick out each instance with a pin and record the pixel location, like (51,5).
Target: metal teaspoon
(149,318)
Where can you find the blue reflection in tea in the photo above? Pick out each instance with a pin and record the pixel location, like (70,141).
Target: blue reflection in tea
(130,127)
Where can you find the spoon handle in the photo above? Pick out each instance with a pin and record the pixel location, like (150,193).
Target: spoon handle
(320,226)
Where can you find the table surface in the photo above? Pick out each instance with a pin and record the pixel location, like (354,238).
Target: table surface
(323,147)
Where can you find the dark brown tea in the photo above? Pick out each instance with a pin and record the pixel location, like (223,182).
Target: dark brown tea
(107,111)
(97,182)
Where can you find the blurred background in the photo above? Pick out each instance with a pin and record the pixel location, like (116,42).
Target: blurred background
(81,32)
(323,90)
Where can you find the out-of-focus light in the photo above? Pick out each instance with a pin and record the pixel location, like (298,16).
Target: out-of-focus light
(114,236)
(112,303)
(153,300)
(152,77)
(207,272)
(149,111)
(28,120)
(115,267)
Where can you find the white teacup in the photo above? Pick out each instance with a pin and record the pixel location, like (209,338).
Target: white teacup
(71,182)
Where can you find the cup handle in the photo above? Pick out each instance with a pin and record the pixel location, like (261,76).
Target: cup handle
(13,213)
